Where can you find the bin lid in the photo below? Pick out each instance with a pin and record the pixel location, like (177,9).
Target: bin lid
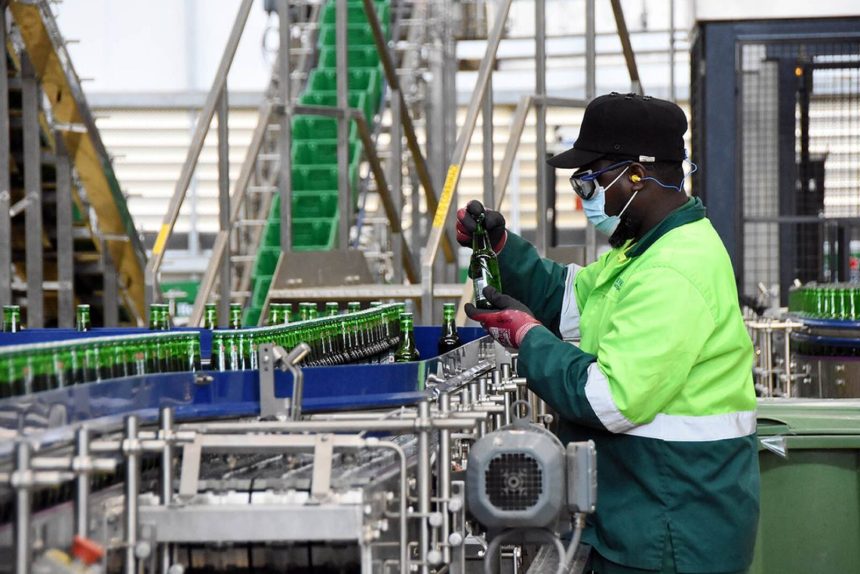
(805,417)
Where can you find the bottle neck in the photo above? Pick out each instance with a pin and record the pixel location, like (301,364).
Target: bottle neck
(480,240)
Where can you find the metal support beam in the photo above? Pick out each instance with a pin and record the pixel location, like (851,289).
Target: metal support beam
(285,136)
(132,488)
(65,242)
(5,186)
(23,510)
(201,129)
(344,191)
(543,233)
(33,190)
(626,47)
(395,176)
(110,287)
(590,93)
(487,148)
(224,278)
(408,128)
(459,159)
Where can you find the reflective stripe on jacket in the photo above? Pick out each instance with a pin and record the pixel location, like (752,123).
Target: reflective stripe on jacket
(662,382)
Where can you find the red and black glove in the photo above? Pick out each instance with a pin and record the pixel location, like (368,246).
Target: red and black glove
(494,223)
(508,323)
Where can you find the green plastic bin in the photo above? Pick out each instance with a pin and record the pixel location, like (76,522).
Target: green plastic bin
(308,127)
(321,152)
(358,34)
(357,57)
(267,260)
(252,316)
(260,290)
(367,80)
(810,498)
(356,13)
(314,233)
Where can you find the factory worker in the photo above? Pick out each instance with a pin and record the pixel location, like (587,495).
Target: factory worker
(661,380)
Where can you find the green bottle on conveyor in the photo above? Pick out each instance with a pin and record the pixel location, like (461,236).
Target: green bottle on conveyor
(332,309)
(407,351)
(484,266)
(449,340)
(82,318)
(11,318)
(235,316)
(210,316)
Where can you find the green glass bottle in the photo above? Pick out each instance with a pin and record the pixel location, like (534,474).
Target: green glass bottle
(210,316)
(218,358)
(235,316)
(82,318)
(275,315)
(332,309)
(42,370)
(11,318)
(165,321)
(313,312)
(154,317)
(7,388)
(287,312)
(23,373)
(91,363)
(353,307)
(407,351)
(60,357)
(449,340)
(483,266)
(304,311)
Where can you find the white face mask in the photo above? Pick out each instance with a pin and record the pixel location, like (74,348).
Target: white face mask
(595,208)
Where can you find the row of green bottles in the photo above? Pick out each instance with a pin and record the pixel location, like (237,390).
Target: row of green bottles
(39,367)
(371,336)
(826,301)
(159,317)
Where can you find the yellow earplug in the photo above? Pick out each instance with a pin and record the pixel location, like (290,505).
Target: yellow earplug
(635,178)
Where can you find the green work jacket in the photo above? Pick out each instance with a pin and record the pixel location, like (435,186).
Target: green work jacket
(661,382)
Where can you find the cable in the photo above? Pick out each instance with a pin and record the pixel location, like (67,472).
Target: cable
(495,544)
(579,526)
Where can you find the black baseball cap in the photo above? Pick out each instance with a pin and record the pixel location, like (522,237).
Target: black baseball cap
(627,126)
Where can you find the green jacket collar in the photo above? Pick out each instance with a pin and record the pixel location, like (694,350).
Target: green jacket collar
(691,211)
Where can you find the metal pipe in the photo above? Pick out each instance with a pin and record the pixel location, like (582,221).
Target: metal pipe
(82,483)
(224,226)
(543,237)
(132,486)
(285,136)
(444,474)
(487,147)
(23,545)
(166,416)
(459,158)
(395,165)
(406,120)
(343,156)
(33,190)
(5,185)
(787,351)
(590,93)
(292,360)
(197,140)
(404,495)
(65,240)
(672,50)
(626,47)
(424,484)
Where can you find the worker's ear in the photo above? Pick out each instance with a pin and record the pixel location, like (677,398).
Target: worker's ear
(636,176)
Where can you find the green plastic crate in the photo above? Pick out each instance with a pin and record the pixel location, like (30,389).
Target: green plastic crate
(260,290)
(307,127)
(321,177)
(329,99)
(356,57)
(267,260)
(358,34)
(367,80)
(272,231)
(355,12)
(320,152)
(314,233)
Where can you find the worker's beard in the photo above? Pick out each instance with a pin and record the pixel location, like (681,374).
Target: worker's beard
(628,228)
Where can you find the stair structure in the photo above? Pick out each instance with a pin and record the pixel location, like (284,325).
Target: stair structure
(315,174)
(72,238)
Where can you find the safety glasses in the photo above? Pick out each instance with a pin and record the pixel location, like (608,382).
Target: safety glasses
(584,183)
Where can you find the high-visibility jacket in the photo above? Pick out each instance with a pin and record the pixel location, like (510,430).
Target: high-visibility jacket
(662,382)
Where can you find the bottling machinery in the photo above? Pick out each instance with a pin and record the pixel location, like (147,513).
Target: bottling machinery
(359,467)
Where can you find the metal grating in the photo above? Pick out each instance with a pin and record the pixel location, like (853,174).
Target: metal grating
(799,161)
(514,481)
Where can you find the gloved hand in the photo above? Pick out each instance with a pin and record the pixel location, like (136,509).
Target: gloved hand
(508,323)
(494,223)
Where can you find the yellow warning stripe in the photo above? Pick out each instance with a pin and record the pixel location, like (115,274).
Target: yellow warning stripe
(447,194)
(161,240)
